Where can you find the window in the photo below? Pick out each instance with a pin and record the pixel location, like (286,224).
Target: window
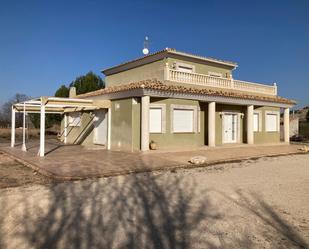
(155,120)
(256,125)
(187,68)
(271,122)
(183,120)
(74,119)
(214,74)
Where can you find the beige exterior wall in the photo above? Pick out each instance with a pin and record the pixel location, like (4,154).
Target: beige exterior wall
(126,126)
(263,136)
(82,134)
(121,122)
(155,70)
(169,139)
(204,68)
(136,123)
(152,70)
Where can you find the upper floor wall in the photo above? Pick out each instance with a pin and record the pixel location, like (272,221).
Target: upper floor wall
(185,69)
(155,70)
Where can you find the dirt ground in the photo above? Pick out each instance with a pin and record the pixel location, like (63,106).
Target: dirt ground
(253,204)
(13,174)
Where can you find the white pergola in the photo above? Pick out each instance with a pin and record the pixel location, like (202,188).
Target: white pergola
(54,105)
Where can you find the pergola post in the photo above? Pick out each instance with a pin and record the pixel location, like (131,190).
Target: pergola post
(42,130)
(13,127)
(65,128)
(23,147)
(109,127)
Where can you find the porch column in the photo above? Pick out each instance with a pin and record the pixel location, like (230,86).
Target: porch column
(250,133)
(13,127)
(65,128)
(42,131)
(145,123)
(109,126)
(286,125)
(23,147)
(212,124)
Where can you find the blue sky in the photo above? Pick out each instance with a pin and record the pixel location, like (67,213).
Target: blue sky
(44,44)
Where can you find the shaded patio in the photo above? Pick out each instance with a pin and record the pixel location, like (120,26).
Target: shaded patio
(70,162)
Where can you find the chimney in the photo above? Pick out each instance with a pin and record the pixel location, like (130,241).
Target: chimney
(72,93)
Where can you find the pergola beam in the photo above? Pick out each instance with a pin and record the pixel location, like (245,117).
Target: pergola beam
(53,105)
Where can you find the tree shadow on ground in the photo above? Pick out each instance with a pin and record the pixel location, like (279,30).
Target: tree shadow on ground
(276,230)
(151,210)
(131,212)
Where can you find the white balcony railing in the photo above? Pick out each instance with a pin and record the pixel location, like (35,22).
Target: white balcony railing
(225,83)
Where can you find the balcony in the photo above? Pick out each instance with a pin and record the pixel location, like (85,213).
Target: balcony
(216,82)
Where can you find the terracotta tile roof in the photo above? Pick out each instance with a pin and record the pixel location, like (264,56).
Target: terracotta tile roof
(174,51)
(158,85)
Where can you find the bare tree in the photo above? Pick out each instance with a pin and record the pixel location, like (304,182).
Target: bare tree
(5,111)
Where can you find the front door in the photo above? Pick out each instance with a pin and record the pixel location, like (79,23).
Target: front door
(229,128)
(100,127)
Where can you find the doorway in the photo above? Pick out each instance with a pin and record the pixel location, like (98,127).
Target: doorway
(100,127)
(230,127)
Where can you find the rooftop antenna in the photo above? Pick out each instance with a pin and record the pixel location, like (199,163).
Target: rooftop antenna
(146,44)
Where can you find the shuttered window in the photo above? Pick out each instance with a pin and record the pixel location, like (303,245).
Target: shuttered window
(183,120)
(271,122)
(155,120)
(256,122)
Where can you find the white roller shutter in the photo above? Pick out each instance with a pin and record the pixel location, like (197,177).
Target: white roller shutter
(183,120)
(255,122)
(155,120)
(271,122)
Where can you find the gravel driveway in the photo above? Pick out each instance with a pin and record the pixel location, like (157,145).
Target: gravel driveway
(255,204)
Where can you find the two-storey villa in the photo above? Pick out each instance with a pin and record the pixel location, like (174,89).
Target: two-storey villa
(177,100)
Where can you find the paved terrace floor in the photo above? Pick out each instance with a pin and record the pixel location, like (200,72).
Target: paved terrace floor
(69,162)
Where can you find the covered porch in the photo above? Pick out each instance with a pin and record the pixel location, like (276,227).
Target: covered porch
(226,119)
(55,105)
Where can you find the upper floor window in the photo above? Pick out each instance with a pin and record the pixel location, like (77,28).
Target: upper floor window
(187,68)
(214,74)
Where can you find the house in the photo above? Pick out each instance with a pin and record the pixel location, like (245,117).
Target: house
(173,98)
(179,100)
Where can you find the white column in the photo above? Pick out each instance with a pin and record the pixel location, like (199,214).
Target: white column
(109,127)
(23,147)
(250,132)
(13,127)
(166,71)
(145,123)
(212,124)
(42,131)
(65,128)
(286,124)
